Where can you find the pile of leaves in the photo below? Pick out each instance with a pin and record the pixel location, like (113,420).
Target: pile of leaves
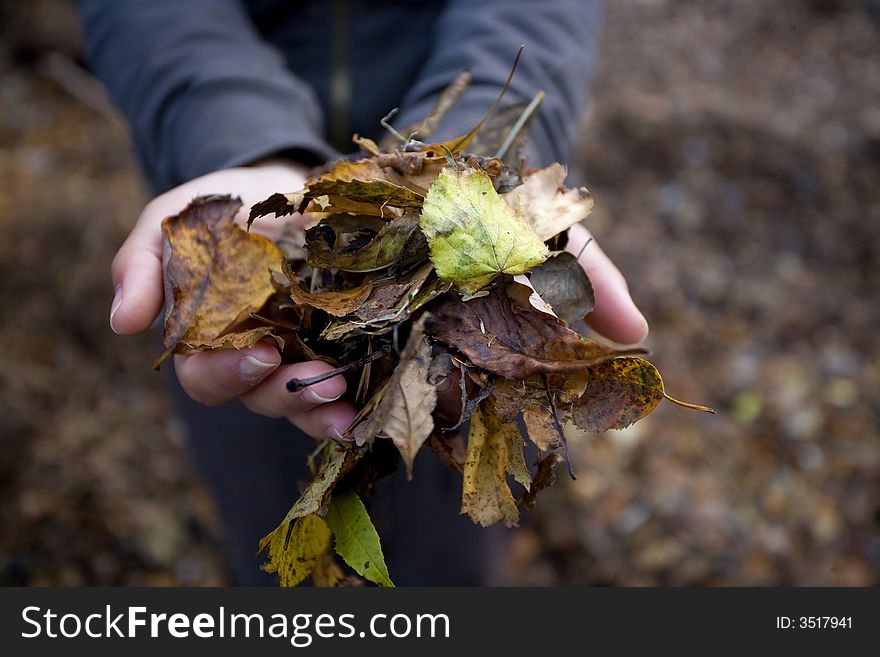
(427,261)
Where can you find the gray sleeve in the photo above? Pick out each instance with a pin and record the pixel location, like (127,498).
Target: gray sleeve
(561,38)
(199,86)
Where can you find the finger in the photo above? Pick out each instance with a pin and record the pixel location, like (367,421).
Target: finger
(615,315)
(272,399)
(325,421)
(137,278)
(215,377)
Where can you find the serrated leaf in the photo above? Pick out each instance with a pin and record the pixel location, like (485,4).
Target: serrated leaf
(356,539)
(295,551)
(472,234)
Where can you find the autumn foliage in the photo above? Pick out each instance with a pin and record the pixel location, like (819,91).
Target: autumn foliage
(426,261)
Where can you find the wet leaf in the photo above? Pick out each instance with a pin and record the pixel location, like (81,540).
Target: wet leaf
(562,282)
(546,205)
(621,392)
(293,551)
(473,235)
(405,411)
(498,335)
(356,539)
(216,274)
(486,497)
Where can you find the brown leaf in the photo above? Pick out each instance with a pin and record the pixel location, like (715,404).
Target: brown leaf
(563,283)
(240,340)
(278,204)
(407,164)
(449,449)
(405,410)
(498,335)
(542,426)
(544,478)
(325,206)
(216,274)
(336,303)
(620,392)
(365,181)
(387,294)
(486,497)
(546,204)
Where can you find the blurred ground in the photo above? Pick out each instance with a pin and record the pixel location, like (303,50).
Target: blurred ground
(733,149)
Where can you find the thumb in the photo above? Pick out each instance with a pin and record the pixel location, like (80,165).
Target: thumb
(137,277)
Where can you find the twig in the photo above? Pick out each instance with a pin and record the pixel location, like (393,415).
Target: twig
(295,385)
(520,124)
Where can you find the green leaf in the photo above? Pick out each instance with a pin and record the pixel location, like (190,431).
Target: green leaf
(473,234)
(356,539)
(294,557)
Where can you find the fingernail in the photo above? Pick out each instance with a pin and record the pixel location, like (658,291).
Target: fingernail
(117,301)
(253,368)
(311,396)
(333,433)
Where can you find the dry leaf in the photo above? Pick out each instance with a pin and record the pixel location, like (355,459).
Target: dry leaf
(486,497)
(498,335)
(405,410)
(241,340)
(547,206)
(216,274)
(621,392)
(562,282)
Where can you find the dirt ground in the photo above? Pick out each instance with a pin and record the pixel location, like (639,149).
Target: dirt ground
(733,149)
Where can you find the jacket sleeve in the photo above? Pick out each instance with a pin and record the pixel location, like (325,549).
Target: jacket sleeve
(199,86)
(560,37)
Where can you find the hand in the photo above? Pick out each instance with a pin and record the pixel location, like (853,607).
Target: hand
(615,315)
(255,375)
(212,378)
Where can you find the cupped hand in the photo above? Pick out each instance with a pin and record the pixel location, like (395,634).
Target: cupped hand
(254,375)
